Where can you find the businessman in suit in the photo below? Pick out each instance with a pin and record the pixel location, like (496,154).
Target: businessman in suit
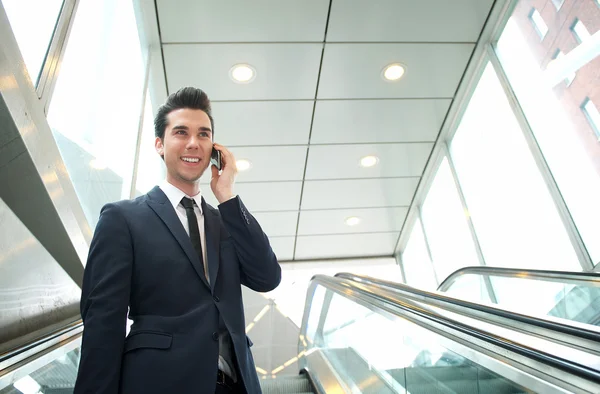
(178,265)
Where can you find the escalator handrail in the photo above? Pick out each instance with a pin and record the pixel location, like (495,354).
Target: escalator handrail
(463,307)
(68,330)
(343,286)
(566,277)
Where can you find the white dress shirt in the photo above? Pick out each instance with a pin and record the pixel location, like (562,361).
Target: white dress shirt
(175,195)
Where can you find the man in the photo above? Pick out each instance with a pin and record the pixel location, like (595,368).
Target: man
(178,264)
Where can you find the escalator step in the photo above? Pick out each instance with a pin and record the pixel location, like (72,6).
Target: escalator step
(286,384)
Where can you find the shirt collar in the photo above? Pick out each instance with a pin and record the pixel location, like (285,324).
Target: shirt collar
(175,195)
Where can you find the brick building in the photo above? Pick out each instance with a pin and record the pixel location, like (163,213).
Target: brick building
(552,29)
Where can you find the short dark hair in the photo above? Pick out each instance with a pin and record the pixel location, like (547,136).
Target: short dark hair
(188,97)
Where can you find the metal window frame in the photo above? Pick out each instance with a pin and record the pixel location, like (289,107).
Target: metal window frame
(484,53)
(500,13)
(56,50)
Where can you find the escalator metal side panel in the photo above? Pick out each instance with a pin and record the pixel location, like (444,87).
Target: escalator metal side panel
(38,361)
(489,351)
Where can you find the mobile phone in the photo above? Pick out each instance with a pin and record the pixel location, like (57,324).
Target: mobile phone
(215,158)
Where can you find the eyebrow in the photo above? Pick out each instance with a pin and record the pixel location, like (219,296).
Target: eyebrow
(182,127)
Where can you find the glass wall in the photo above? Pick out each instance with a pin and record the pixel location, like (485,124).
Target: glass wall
(418,270)
(525,151)
(445,224)
(560,99)
(150,166)
(513,213)
(95,109)
(23,22)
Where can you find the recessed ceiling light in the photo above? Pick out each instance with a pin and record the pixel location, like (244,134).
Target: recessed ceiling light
(242,73)
(393,72)
(97,164)
(243,164)
(369,161)
(352,221)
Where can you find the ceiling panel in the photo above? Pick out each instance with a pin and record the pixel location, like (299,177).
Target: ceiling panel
(333,221)
(395,160)
(263,196)
(268,164)
(274,163)
(277,224)
(262,122)
(364,121)
(352,245)
(407,20)
(283,71)
(283,247)
(354,70)
(240,21)
(363,193)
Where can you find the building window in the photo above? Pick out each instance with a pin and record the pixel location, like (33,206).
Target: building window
(580,31)
(538,23)
(593,115)
(569,79)
(558,3)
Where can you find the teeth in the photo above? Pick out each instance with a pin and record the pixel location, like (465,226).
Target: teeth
(189,160)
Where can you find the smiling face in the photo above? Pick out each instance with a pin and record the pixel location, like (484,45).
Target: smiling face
(186,147)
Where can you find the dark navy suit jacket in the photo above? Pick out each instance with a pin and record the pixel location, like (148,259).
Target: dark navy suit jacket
(142,258)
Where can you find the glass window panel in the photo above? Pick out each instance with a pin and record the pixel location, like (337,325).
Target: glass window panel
(445,225)
(562,130)
(415,260)
(538,22)
(593,115)
(33,29)
(580,31)
(96,105)
(515,218)
(366,346)
(151,168)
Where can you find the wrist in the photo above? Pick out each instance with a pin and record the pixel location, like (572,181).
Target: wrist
(225,197)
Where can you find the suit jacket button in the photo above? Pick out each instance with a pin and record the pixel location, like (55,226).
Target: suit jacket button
(215,336)
(216,298)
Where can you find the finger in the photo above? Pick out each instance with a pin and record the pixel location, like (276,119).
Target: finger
(226,156)
(214,171)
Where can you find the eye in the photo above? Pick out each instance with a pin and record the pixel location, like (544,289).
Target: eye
(204,134)
(180,132)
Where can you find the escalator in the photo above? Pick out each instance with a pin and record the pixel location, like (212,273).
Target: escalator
(365,335)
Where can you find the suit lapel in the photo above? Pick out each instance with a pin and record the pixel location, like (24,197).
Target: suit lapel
(160,204)
(212,231)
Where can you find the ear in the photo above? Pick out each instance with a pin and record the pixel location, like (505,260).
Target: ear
(160,148)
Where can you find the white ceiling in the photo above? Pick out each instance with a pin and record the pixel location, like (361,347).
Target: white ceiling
(318,104)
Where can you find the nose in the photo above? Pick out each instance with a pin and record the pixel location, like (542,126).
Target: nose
(193,142)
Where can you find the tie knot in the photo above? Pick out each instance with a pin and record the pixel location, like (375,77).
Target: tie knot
(187,203)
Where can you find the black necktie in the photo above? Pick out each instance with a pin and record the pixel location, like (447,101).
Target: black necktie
(188,204)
